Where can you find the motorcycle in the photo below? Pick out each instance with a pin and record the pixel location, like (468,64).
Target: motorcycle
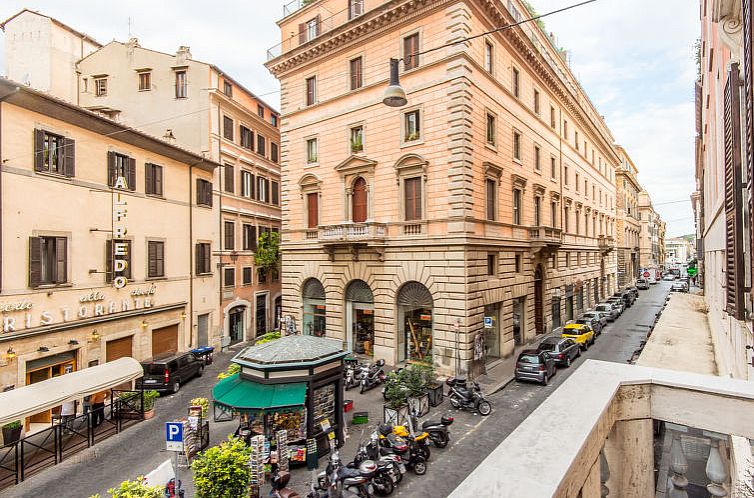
(437,430)
(339,480)
(279,483)
(372,375)
(409,452)
(422,439)
(353,373)
(468,398)
(383,480)
(379,453)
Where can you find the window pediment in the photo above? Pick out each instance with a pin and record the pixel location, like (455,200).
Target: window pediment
(567,201)
(492,169)
(518,181)
(539,189)
(411,164)
(555,196)
(356,164)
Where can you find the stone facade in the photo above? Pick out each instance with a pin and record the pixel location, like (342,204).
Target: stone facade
(628,226)
(490,223)
(652,234)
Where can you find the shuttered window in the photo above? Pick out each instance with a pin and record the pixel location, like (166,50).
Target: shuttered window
(109,259)
(203,192)
(311,90)
(203,258)
(274,156)
(247,184)
(229,178)
(491,187)
(119,165)
(359,200)
(247,138)
(247,273)
(734,265)
(275,193)
(48,261)
(249,237)
(54,153)
(230,235)
(229,277)
(261,145)
(153,179)
(413,198)
(155,259)
(228,128)
(748,88)
(357,75)
(411,51)
(312,209)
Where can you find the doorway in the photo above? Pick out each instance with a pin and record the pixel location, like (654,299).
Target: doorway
(202,325)
(315,311)
(539,291)
(165,340)
(261,314)
(518,321)
(415,307)
(555,313)
(492,331)
(47,368)
(360,317)
(236,325)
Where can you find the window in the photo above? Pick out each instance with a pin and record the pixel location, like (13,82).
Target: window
(411,51)
(515,82)
(227,88)
(247,138)
(260,111)
(578,224)
(491,264)
(584,148)
(577,181)
(229,178)
(554,214)
(516,206)
(355,8)
(249,237)
(312,28)
(247,184)
(311,90)
(489,57)
(153,179)
(312,210)
(537,211)
(275,193)
(48,260)
(311,150)
(490,129)
(413,198)
(537,158)
(100,87)
(357,76)
(54,153)
(203,192)
(565,129)
(491,186)
(155,259)
(586,187)
(228,128)
(359,200)
(517,263)
(181,90)
(411,126)
(246,275)
(357,139)
(552,117)
(553,168)
(230,235)
(565,175)
(274,157)
(567,259)
(261,275)
(536,101)
(229,277)
(566,216)
(261,145)
(576,140)
(119,165)
(274,120)
(203,258)
(145,81)
(516,145)
(263,189)
(122,249)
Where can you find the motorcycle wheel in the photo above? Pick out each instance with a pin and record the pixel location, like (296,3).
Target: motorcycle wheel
(424,450)
(484,408)
(441,440)
(395,473)
(420,466)
(454,401)
(383,485)
(362,388)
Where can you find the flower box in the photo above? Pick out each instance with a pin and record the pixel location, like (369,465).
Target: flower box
(436,394)
(396,416)
(419,404)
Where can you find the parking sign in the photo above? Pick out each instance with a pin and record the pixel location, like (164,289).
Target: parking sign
(488,322)
(174,436)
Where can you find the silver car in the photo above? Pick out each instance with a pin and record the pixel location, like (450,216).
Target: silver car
(602,317)
(617,303)
(610,313)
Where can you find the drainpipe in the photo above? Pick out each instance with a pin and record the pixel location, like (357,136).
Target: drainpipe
(220,223)
(4,96)
(191,257)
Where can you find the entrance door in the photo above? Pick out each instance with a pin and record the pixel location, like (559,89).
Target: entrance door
(492,331)
(261,309)
(165,340)
(359,200)
(235,324)
(202,326)
(518,325)
(555,312)
(539,284)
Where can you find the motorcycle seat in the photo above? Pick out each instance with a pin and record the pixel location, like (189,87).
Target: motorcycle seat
(430,423)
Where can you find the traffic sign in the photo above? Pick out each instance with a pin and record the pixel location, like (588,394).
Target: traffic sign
(488,322)
(174,436)
(646,274)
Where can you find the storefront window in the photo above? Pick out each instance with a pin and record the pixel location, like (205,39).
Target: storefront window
(360,309)
(518,329)
(492,330)
(313,295)
(415,306)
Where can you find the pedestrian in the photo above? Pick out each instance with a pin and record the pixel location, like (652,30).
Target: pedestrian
(87,405)
(98,408)
(67,414)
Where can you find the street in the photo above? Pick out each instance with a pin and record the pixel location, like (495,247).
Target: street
(140,449)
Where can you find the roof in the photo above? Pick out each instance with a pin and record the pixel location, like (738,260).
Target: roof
(62,25)
(292,350)
(243,394)
(35,398)
(43,103)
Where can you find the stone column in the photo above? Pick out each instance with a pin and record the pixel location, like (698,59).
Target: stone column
(629,452)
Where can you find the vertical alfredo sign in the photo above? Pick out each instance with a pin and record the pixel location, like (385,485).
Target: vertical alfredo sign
(120,247)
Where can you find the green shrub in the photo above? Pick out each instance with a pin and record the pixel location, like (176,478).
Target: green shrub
(223,471)
(137,488)
(269,336)
(12,425)
(232,369)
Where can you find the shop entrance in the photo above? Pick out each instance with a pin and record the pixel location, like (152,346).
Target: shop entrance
(518,321)
(202,326)
(415,306)
(360,317)
(47,368)
(539,293)
(235,324)
(165,340)
(555,312)
(261,314)
(492,331)
(313,297)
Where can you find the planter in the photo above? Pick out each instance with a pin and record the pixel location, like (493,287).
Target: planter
(148,414)
(396,416)
(436,395)
(419,404)
(11,435)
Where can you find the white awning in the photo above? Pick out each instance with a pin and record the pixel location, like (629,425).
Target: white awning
(35,398)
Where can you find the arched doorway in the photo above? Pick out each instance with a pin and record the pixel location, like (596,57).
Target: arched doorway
(359,201)
(415,338)
(236,324)
(313,297)
(360,317)
(539,296)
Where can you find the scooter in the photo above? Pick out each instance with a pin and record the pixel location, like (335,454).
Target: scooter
(353,373)
(422,438)
(468,398)
(373,376)
(408,451)
(437,430)
(379,453)
(339,480)
(279,483)
(383,476)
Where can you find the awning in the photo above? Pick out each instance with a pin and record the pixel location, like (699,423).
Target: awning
(35,398)
(241,394)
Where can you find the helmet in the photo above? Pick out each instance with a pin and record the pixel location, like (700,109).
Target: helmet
(385,429)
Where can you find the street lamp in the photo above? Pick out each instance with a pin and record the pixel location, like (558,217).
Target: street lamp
(394,96)
(457,327)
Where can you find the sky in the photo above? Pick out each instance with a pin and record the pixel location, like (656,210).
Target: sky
(634,58)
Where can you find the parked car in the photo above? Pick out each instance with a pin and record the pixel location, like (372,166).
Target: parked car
(618,304)
(592,322)
(563,351)
(669,277)
(534,365)
(601,316)
(626,296)
(634,291)
(610,313)
(166,372)
(679,286)
(642,284)
(582,334)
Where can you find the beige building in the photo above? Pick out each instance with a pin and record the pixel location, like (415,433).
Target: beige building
(678,250)
(99,259)
(651,243)
(628,226)
(467,222)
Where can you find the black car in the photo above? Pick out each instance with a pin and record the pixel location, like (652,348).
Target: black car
(627,297)
(563,351)
(534,365)
(166,372)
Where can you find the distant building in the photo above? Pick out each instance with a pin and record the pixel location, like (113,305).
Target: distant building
(678,251)
(651,237)
(628,226)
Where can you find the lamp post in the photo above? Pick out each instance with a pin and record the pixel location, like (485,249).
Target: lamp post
(457,328)
(394,95)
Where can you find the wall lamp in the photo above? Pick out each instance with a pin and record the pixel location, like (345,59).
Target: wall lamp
(10,355)
(394,95)
(95,337)
(144,324)
(43,349)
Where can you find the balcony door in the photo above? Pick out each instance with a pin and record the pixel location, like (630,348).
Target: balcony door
(359,200)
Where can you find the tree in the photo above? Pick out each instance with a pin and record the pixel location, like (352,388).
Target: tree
(223,471)
(267,256)
(137,488)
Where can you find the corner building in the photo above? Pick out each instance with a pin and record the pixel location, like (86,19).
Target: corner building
(467,222)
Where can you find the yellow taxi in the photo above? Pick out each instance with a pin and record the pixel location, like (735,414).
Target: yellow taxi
(582,334)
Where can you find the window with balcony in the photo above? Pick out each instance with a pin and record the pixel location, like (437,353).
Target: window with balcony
(411,51)
(537,211)
(554,214)
(312,28)
(181,85)
(412,194)
(312,209)
(356,73)
(311,151)
(359,200)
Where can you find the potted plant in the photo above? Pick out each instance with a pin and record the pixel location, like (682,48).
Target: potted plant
(413,378)
(433,386)
(396,409)
(138,488)
(130,406)
(357,144)
(12,432)
(149,397)
(223,470)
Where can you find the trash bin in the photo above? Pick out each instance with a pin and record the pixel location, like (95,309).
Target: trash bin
(204,353)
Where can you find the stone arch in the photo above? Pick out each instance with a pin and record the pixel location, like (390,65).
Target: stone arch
(415,304)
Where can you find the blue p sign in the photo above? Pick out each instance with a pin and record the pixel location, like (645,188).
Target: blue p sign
(174,436)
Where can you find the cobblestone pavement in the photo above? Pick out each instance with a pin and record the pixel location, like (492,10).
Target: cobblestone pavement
(139,449)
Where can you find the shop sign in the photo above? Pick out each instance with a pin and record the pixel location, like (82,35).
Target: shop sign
(120,249)
(425,318)
(19,306)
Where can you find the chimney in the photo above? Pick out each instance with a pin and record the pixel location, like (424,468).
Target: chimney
(132,43)
(182,55)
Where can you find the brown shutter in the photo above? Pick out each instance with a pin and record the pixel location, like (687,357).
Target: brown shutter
(412,187)
(158,180)
(149,179)
(131,174)
(198,258)
(208,192)
(318,20)
(748,27)
(491,199)
(253,237)
(733,197)
(108,261)
(61,260)
(111,168)
(359,201)
(267,190)
(39,150)
(151,259)
(253,187)
(275,193)
(35,261)
(313,209)
(129,251)
(229,177)
(69,146)
(160,259)
(302,33)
